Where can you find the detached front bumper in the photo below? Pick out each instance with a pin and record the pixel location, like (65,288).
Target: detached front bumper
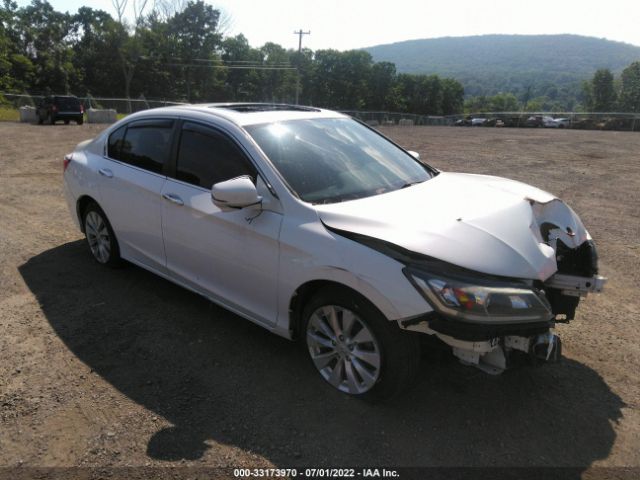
(488,320)
(491,347)
(496,355)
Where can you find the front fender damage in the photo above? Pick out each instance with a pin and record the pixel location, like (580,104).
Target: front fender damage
(520,234)
(575,274)
(557,226)
(576,257)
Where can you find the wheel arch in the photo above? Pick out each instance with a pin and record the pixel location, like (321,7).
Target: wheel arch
(81,205)
(398,350)
(306,291)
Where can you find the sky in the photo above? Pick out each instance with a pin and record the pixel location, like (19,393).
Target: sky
(348,24)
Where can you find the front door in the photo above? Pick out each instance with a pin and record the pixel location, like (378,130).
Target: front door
(231,257)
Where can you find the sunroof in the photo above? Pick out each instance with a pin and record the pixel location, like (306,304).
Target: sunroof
(264,107)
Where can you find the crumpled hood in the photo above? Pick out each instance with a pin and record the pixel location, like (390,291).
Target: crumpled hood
(483,223)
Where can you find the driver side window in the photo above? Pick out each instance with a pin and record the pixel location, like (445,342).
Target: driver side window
(206,157)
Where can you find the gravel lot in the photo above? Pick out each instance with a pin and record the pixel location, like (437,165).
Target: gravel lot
(103,368)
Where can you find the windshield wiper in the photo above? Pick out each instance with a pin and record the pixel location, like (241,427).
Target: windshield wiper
(328,200)
(410,184)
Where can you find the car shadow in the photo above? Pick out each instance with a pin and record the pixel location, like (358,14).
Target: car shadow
(215,376)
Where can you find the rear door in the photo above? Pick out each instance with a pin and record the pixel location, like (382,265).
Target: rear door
(229,256)
(132,175)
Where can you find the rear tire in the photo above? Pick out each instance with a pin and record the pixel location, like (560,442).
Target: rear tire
(66,122)
(101,239)
(80,121)
(356,349)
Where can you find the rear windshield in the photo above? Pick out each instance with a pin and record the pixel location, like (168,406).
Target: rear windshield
(67,103)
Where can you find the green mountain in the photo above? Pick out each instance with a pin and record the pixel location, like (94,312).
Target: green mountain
(543,65)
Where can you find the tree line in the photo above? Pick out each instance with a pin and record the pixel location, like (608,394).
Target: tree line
(605,93)
(544,72)
(602,93)
(178,51)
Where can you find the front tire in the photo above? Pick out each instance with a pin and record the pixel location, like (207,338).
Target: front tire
(101,239)
(356,349)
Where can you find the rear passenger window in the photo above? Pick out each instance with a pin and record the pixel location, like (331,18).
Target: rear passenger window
(206,157)
(114,146)
(147,145)
(144,144)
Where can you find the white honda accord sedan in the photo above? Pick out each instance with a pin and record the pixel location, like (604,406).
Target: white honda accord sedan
(318,228)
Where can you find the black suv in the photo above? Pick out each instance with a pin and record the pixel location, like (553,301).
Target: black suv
(59,107)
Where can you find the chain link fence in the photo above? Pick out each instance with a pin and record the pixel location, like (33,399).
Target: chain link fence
(126,106)
(619,121)
(120,105)
(375,119)
(576,120)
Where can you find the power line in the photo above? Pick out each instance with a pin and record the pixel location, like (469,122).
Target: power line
(245,67)
(240,62)
(249,64)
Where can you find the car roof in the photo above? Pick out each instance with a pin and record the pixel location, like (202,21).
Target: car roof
(244,114)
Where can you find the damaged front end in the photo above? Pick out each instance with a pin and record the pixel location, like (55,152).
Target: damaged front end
(575,257)
(493,350)
(490,319)
(487,320)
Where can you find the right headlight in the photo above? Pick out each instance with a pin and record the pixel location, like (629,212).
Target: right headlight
(478,299)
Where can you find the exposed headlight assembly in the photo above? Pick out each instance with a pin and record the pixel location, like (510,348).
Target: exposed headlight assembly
(479,300)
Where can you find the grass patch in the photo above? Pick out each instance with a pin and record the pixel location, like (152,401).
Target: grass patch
(9,115)
(120,116)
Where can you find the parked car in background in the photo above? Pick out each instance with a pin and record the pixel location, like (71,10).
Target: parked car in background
(317,227)
(563,122)
(585,124)
(60,107)
(535,121)
(463,122)
(478,122)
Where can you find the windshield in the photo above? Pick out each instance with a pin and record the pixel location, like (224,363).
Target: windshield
(331,160)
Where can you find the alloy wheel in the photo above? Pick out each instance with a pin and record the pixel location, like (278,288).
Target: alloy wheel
(98,236)
(343,349)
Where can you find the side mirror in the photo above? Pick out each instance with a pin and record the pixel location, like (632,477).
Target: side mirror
(234,194)
(415,155)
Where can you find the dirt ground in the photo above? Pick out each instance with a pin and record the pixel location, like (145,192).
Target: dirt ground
(103,368)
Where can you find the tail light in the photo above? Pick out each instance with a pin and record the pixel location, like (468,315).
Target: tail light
(81,109)
(66,161)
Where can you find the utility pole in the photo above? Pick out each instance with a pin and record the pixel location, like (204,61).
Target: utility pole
(300,33)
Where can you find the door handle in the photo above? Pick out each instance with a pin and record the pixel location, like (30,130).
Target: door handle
(105,172)
(173,198)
